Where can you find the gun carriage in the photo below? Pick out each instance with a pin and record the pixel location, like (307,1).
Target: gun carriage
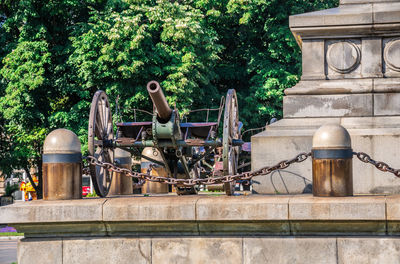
(188,150)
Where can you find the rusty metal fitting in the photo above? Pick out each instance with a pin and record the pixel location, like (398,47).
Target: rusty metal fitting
(156,170)
(120,183)
(62,166)
(332,161)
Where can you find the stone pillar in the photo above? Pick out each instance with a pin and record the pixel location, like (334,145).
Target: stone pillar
(351,77)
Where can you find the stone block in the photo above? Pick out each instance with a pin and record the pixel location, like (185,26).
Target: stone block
(368,250)
(345,2)
(53,211)
(387,13)
(387,85)
(343,57)
(371,60)
(393,214)
(231,208)
(289,250)
(31,250)
(197,250)
(252,214)
(339,86)
(337,208)
(343,15)
(106,250)
(334,215)
(156,208)
(336,105)
(313,57)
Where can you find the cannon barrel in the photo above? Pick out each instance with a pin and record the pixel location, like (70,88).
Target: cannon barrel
(157,96)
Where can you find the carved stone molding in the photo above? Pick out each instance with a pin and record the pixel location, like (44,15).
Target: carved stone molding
(343,56)
(391,55)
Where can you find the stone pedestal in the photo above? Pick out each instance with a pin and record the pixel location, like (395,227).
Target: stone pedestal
(351,77)
(208,229)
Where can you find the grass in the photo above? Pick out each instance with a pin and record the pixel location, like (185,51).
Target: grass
(11,234)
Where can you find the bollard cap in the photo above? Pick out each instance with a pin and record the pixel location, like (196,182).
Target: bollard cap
(331,136)
(61,141)
(122,157)
(152,153)
(120,153)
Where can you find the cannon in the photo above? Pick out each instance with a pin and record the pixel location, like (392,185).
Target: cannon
(188,150)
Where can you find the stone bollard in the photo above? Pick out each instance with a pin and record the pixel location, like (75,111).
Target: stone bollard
(62,167)
(332,162)
(122,184)
(157,170)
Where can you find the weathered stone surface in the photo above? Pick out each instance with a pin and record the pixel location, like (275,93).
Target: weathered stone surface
(257,214)
(289,250)
(387,12)
(327,105)
(368,250)
(343,15)
(159,208)
(393,207)
(324,215)
(387,104)
(242,208)
(43,251)
(344,2)
(339,86)
(313,57)
(337,208)
(197,250)
(371,63)
(106,250)
(53,211)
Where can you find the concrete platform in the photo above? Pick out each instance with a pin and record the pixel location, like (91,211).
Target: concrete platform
(212,229)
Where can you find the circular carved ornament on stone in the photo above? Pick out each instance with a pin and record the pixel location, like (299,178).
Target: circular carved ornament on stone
(392,55)
(343,57)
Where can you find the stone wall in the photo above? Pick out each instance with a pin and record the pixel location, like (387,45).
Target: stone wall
(208,229)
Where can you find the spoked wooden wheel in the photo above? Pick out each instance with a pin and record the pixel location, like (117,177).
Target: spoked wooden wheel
(100,142)
(230,153)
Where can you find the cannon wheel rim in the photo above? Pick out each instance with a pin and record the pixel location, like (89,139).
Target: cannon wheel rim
(100,128)
(230,131)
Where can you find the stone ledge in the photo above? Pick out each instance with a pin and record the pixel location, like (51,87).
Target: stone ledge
(205,215)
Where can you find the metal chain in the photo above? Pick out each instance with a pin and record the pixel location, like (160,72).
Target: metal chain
(245,176)
(382,166)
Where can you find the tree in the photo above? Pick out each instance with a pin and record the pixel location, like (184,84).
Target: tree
(55,54)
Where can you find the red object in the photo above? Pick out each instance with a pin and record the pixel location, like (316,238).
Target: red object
(85,190)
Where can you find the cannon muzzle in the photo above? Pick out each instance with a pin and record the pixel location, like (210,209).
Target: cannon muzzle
(157,96)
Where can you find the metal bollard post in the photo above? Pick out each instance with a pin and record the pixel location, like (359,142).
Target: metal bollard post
(332,162)
(157,170)
(62,167)
(122,184)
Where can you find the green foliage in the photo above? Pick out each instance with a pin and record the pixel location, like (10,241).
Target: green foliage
(10,188)
(54,55)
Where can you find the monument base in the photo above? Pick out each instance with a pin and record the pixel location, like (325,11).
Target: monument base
(208,229)
(376,136)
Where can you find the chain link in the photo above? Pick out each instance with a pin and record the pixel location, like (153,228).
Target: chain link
(245,176)
(382,166)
